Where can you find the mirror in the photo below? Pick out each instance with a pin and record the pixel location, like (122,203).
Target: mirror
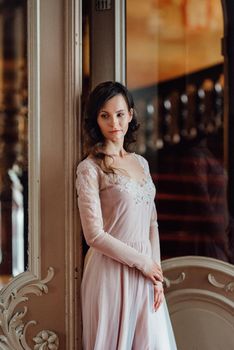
(175,72)
(13,139)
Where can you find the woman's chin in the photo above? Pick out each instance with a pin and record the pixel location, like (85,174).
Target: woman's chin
(117,137)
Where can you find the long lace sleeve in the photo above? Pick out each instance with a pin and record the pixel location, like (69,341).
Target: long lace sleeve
(154,236)
(87,185)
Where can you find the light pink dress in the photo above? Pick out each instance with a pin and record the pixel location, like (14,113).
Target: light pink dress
(119,222)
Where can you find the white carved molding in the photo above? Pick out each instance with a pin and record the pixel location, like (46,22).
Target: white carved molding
(46,340)
(204,298)
(199,262)
(199,268)
(11,320)
(169,282)
(228,287)
(193,295)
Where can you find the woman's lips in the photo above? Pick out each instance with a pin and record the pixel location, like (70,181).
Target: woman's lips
(114,131)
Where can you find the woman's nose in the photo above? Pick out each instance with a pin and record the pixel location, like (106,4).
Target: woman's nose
(113,121)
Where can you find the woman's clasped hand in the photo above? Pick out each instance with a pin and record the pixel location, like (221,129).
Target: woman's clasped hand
(155,275)
(152,270)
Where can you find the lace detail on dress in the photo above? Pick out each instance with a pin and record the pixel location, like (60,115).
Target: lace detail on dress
(85,173)
(141,192)
(88,174)
(143,163)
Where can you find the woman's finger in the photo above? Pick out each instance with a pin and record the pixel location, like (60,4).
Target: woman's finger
(158,276)
(157,303)
(154,280)
(156,297)
(160,299)
(158,271)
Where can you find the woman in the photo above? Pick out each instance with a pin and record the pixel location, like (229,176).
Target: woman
(122,294)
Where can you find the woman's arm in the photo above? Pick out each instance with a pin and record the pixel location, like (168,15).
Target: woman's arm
(155,246)
(87,184)
(154,236)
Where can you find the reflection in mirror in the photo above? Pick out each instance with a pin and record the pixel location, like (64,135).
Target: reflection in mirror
(175,71)
(13,139)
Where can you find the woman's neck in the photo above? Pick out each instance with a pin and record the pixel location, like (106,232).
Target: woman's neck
(114,149)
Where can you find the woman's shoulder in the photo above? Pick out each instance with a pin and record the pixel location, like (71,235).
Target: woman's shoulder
(142,160)
(140,157)
(87,165)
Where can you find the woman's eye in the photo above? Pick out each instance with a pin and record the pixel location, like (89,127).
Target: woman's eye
(120,115)
(104,116)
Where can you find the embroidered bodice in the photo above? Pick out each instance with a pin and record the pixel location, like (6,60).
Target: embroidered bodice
(117,213)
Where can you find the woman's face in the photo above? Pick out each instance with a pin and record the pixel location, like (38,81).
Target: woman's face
(113,118)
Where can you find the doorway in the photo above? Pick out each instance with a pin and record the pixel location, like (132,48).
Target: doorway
(180,89)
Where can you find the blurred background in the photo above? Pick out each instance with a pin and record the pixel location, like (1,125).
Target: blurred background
(175,71)
(13,139)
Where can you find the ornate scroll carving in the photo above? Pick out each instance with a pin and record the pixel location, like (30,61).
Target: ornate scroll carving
(11,321)
(178,280)
(228,287)
(46,340)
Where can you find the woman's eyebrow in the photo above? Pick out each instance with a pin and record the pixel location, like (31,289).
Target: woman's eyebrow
(120,110)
